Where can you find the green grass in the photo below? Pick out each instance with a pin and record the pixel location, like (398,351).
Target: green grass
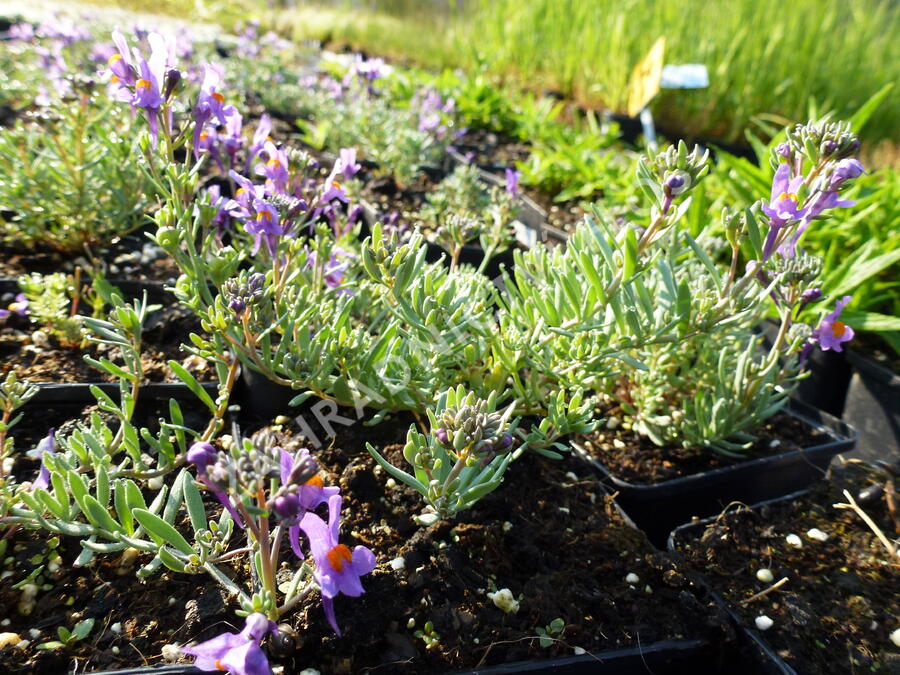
(764,56)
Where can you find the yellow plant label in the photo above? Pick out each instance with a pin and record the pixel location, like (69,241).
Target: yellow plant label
(646,77)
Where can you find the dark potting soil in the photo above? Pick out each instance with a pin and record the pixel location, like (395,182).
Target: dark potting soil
(636,459)
(51,361)
(132,256)
(547,534)
(842,597)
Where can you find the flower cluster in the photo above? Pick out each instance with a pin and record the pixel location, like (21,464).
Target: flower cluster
(258,482)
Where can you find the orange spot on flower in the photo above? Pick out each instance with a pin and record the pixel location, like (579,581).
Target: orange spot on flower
(216,95)
(114,58)
(142,84)
(315,481)
(203,135)
(273,163)
(220,666)
(338,556)
(789,195)
(838,328)
(262,215)
(335,184)
(240,192)
(114,78)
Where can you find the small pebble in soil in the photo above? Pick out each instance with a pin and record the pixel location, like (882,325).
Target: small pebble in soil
(613,422)
(411,623)
(398,564)
(817,534)
(115,650)
(282,419)
(5,622)
(774,443)
(794,540)
(763,622)
(9,639)
(171,652)
(648,590)
(116,627)
(390,483)
(156,483)
(632,578)
(172,601)
(426,519)
(504,600)
(507,526)
(310,671)
(895,637)
(765,575)
(34,633)
(579,651)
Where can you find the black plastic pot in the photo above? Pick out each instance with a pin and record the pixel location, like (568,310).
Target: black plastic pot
(766,660)
(873,408)
(260,399)
(660,658)
(657,509)
(826,385)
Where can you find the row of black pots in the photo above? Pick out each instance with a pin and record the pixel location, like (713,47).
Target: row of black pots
(660,507)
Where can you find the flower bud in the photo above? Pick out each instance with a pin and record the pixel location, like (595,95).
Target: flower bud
(286,506)
(173,78)
(202,454)
(811,295)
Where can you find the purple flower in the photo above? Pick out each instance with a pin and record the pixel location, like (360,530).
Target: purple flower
(210,104)
(783,207)
(309,495)
(145,78)
(21,31)
(338,569)
(512,181)
(19,306)
(337,264)
(346,164)
(275,169)
(237,653)
(831,332)
(846,169)
(46,446)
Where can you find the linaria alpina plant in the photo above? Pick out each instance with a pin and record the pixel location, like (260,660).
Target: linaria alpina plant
(714,386)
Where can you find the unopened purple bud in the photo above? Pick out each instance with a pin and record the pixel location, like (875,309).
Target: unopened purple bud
(675,183)
(829,148)
(237,305)
(784,150)
(442,436)
(303,470)
(811,295)
(202,454)
(173,77)
(286,506)
(506,441)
